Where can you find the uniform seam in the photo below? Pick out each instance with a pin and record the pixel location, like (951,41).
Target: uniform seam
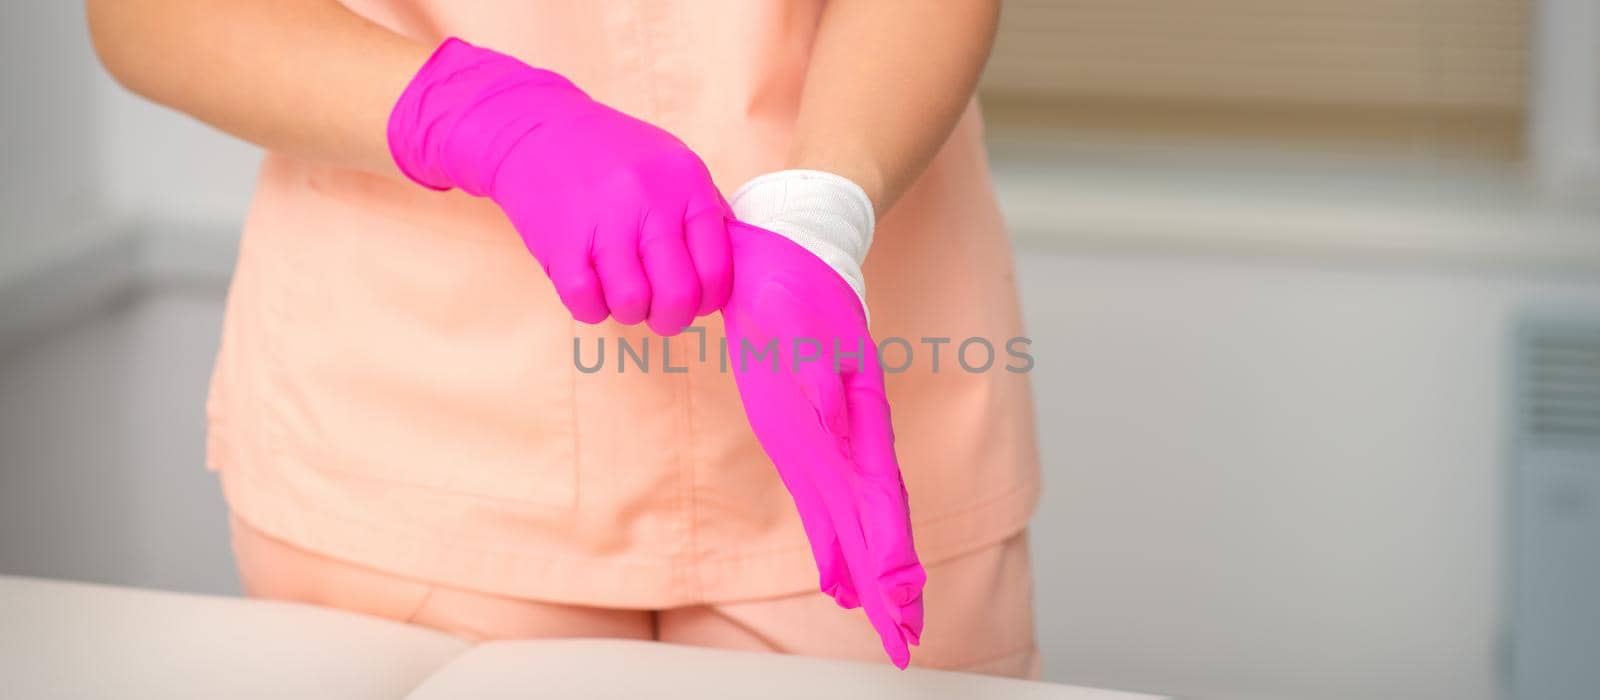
(427,595)
(623,563)
(577,461)
(1030,647)
(693,512)
(968,508)
(938,519)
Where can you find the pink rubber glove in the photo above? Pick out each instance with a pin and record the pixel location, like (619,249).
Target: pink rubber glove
(827,431)
(623,217)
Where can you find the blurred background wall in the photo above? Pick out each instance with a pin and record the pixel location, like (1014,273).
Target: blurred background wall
(1271,255)
(51,144)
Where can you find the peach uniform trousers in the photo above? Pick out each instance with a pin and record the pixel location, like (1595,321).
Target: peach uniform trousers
(984,599)
(396,386)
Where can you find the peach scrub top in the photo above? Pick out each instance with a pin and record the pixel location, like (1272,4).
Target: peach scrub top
(396,383)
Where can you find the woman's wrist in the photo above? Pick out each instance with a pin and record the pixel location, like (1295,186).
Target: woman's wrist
(843,155)
(828,214)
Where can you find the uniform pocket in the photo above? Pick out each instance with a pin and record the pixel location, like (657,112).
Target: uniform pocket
(412,356)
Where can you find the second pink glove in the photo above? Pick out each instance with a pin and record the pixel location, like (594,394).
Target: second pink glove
(808,374)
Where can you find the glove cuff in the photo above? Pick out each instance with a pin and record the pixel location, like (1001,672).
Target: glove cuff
(827,214)
(463,110)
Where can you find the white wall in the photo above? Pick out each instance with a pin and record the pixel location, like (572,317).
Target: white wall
(161,166)
(1272,480)
(49,148)
(82,156)
(102,447)
(1564,95)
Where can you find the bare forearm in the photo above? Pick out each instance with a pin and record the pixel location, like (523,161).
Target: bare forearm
(304,77)
(888,80)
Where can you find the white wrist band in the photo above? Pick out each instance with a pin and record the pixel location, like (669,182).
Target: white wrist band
(826,214)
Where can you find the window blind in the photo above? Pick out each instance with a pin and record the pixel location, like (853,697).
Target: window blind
(1428,54)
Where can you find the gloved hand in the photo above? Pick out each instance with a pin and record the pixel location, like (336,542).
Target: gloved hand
(808,374)
(623,217)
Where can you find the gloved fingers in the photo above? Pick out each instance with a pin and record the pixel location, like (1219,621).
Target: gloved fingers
(706,231)
(881,493)
(911,621)
(831,479)
(772,402)
(845,592)
(833,574)
(579,288)
(674,285)
(833,567)
(889,631)
(844,385)
(615,253)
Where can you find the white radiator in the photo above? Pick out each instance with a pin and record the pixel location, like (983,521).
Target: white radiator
(1554,553)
